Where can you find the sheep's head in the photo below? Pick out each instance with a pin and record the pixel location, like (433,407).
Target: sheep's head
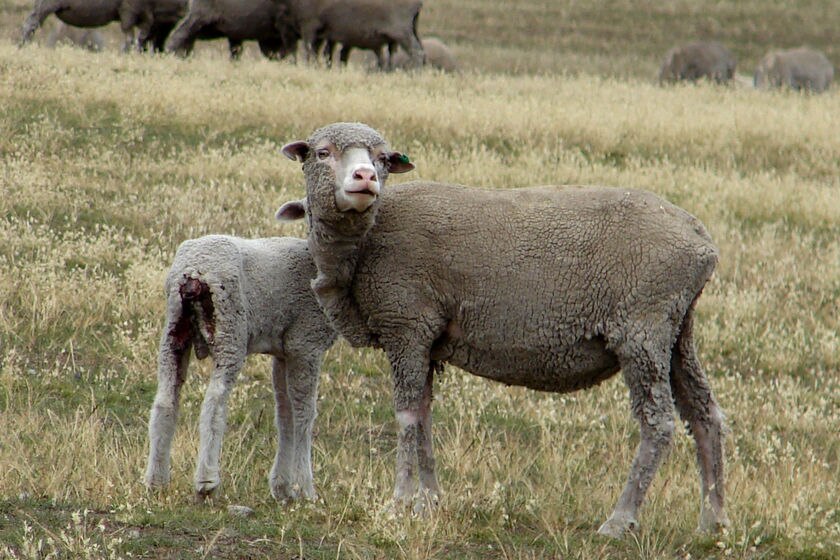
(346,163)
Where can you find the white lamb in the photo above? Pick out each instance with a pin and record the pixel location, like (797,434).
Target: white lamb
(229,297)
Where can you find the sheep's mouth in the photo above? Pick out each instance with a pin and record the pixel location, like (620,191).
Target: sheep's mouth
(365,190)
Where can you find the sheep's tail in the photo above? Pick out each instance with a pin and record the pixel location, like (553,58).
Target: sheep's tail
(197,305)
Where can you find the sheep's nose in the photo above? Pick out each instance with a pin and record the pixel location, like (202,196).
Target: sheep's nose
(364,174)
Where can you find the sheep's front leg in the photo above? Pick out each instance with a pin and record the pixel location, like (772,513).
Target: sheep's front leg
(413,379)
(646,375)
(212,424)
(173,360)
(40,11)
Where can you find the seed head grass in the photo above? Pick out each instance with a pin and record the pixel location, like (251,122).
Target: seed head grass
(110,161)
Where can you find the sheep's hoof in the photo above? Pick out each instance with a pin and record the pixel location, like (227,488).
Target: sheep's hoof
(156,481)
(616,527)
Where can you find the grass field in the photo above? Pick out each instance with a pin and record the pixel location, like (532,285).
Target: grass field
(110,161)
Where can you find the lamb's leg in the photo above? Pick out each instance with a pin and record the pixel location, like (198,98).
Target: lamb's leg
(40,11)
(173,360)
(698,408)
(646,374)
(280,480)
(213,421)
(302,393)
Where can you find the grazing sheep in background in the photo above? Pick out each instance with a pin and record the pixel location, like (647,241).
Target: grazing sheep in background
(701,59)
(438,56)
(153,19)
(800,69)
(552,288)
(63,34)
(238,21)
(363,24)
(229,297)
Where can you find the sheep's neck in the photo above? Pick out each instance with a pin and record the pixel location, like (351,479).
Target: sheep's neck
(336,255)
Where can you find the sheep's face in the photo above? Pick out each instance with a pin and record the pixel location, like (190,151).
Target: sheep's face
(351,160)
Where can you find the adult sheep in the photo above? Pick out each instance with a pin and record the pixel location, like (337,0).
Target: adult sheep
(375,25)
(552,288)
(152,19)
(228,297)
(700,59)
(800,69)
(263,21)
(438,56)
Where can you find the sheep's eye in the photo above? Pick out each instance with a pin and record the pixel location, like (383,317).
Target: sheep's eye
(323,153)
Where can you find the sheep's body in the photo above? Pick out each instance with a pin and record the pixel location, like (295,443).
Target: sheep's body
(438,56)
(238,21)
(63,34)
(553,288)
(153,19)
(229,297)
(800,69)
(700,59)
(363,24)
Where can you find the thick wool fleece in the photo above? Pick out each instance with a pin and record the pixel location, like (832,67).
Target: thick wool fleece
(553,288)
(231,297)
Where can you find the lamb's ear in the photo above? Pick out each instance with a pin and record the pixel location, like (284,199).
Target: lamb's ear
(291,211)
(296,150)
(399,163)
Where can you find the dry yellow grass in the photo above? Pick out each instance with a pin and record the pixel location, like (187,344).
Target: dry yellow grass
(109,161)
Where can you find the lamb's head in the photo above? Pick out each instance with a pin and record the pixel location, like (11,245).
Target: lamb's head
(346,166)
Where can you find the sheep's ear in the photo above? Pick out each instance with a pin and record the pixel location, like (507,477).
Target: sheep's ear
(296,150)
(291,211)
(399,163)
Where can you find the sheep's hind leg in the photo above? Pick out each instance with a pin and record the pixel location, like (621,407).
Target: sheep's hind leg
(698,408)
(173,361)
(646,374)
(212,423)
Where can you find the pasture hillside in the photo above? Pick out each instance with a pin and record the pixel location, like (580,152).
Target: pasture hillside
(617,38)
(107,162)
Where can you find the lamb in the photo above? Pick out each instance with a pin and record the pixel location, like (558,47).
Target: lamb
(552,288)
(800,69)
(63,34)
(700,59)
(228,297)
(237,20)
(153,19)
(364,24)
(438,56)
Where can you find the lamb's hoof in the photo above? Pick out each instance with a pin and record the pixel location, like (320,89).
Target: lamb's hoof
(203,493)
(710,523)
(425,503)
(616,527)
(156,481)
(287,493)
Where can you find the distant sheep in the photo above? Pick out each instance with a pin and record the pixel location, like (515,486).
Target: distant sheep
(799,69)
(152,19)
(700,59)
(229,297)
(375,25)
(438,56)
(552,288)
(63,34)
(238,21)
